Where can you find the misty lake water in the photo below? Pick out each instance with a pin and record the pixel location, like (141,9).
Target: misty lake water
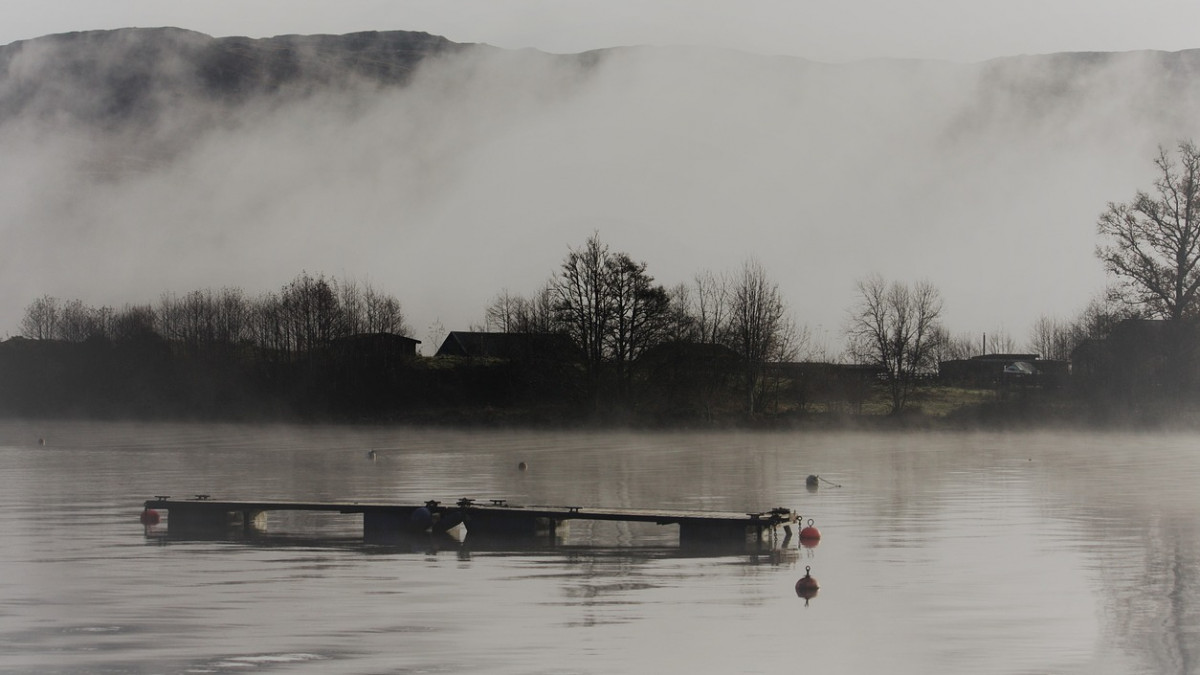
(941,553)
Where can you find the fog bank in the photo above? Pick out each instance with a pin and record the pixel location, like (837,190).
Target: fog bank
(482,170)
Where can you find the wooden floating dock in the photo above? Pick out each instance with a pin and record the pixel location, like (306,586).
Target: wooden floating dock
(383,521)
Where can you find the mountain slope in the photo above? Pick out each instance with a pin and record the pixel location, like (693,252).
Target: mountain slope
(112,77)
(144,161)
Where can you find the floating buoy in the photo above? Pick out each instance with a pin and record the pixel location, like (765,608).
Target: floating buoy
(372,455)
(813,480)
(522,466)
(41,441)
(149,517)
(810,535)
(807,586)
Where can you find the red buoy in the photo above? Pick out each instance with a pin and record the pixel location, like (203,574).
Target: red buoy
(807,586)
(149,517)
(810,535)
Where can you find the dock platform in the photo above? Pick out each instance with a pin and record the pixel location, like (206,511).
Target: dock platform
(382,521)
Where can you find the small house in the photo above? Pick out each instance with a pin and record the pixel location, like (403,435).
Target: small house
(509,346)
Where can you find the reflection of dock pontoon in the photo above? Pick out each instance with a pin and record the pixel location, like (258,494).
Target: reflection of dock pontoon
(494,517)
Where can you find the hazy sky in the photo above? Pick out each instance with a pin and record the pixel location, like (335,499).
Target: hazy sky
(479,176)
(961,30)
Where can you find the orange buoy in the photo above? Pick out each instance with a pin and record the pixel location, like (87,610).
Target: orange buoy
(810,533)
(149,517)
(807,586)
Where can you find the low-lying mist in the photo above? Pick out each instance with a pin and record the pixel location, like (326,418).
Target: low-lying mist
(482,170)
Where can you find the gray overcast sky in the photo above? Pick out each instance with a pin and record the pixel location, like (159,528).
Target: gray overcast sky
(991,198)
(957,30)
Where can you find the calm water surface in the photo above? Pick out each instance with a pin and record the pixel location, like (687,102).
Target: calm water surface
(941,553)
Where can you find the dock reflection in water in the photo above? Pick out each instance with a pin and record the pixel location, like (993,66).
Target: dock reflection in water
(968,553)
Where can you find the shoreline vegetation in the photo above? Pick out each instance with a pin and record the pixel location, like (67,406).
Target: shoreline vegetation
(159,382)
(601,343)
(601,346)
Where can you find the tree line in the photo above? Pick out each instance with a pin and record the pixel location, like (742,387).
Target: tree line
(210,354)
(1150,246)
(307,312)
(618,317)
(615,313)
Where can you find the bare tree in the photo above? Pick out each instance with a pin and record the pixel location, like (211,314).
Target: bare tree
(1102,313)
(204,318)
(757,327)
(511,313)
(353,307)
(639,309)
(793,343)
(1054,338)
(311,308)
(435,334)
(611,307)
(895,327)
(232,316)
(1050,338)
(101,322)
(536,314)
(41,319)
(503,314)
(640,312)
(1153,242)
(167,319)
(953,347)
(999,341)
(47,318)
(190,320)
(135,322)
(682,325)
(269,329)
(711,307)
(583,303)
(383,313)
(77,321)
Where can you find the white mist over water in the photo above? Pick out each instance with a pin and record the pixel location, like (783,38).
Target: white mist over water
(946,552)
(986,179)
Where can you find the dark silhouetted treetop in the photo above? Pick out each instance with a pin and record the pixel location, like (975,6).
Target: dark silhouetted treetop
(1152,243)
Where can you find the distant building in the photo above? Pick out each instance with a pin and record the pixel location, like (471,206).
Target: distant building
(994,370)
(375,349)
(1141,357)
(509,346)
(1088,360)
